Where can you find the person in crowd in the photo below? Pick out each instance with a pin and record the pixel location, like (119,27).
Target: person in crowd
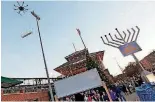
(98,95)
(136,82)
(64,98)
(86,97)
(105,97)
(67,99)
(119,94)
(113,95)
(94,97)
(133,83)
(124,89)
(140,81)
(89,98)
(79,97)
(101,98)
(131,87)
(61,100)
(72,98)
(128,88)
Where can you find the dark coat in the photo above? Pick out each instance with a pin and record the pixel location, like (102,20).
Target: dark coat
(79,97)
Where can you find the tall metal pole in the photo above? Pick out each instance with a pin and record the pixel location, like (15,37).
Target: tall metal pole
(137,61)
(79,32)
(49,84)
(82,41)
(119,65)
(74,47)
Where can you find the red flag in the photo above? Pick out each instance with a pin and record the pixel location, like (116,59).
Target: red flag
(78,31)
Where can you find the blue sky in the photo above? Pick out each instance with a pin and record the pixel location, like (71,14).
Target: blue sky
(59,20)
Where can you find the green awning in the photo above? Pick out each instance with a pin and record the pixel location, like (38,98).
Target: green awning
(8,82)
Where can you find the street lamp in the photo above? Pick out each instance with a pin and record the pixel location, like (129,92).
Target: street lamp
(49,84)
(37,20)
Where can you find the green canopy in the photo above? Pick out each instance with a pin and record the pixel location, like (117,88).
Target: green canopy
(8,82)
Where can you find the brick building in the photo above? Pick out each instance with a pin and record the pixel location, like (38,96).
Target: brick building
(148,61)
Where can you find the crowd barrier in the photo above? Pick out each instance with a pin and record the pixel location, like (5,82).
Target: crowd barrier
(146,92)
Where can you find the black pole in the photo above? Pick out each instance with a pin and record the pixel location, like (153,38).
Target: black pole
(74,47)
(50,88)
(82,41)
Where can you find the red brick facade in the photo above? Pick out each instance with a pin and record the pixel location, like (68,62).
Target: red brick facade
(40,96)
(149,61)
(146,64)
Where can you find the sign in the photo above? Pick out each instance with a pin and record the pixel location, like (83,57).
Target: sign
(129,48)
(78,83)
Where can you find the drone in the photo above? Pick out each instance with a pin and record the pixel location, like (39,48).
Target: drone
(20,8)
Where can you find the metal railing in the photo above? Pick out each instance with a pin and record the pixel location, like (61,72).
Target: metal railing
(26,90)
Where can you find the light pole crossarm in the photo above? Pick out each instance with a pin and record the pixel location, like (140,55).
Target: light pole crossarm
(35,15)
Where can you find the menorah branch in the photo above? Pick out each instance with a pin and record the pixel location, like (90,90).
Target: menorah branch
(129,35)
(124,34)
(115,40)
(133,34)
(107,43)
(119,39)
(137,33)
(110,41)
(120,35)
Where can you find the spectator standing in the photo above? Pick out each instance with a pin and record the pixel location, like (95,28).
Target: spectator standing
(105,97)
(79,97)
(113,96)
(124,89)
(89,98)
(119,94)
(86,97)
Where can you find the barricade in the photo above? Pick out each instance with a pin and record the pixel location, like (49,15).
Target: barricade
(146,92)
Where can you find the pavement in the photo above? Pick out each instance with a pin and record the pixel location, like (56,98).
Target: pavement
(132,97)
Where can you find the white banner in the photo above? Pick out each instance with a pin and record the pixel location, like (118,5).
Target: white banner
(78,83)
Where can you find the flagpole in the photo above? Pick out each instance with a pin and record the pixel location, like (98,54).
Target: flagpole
(81,38)
(74,47)
(83,42)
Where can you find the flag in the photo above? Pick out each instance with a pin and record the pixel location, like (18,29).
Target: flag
(78,31)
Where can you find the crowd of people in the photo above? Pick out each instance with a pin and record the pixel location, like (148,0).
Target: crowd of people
(117,91)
